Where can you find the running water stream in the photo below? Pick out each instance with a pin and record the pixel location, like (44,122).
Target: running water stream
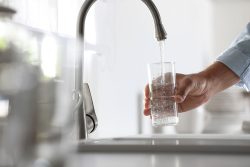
(162,55)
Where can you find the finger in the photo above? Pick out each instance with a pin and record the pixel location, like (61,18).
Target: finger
(178,99)
(190,103)
(179,108)
(147,111)
(183,89)
(147,103)
(147,91)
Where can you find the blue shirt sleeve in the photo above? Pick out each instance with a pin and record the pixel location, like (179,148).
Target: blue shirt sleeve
(237,58)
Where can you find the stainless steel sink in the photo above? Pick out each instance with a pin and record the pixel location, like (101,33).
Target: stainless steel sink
(169,143)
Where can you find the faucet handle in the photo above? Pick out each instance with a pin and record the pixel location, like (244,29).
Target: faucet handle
(88,106)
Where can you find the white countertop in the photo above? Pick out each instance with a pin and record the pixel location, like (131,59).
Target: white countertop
(159,160)
(197,152)
(212,143)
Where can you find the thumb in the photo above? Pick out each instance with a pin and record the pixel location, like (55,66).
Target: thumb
(184,87)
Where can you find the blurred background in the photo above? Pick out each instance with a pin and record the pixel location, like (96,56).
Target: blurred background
(120,42)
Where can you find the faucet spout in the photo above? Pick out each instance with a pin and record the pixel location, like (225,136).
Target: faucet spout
(160,34)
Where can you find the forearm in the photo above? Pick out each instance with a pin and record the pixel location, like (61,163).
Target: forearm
(219,77)
(237,58)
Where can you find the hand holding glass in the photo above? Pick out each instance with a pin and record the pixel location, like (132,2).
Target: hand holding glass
(162,89)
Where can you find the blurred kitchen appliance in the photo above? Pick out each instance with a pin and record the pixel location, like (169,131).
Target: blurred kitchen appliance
(37,83)
(225,111)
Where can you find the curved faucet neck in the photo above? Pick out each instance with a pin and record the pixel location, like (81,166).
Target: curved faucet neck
(82,17)
(160,32)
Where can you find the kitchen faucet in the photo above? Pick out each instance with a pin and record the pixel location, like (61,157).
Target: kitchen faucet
(87,120)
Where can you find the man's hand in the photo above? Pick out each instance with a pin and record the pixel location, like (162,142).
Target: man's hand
(194,90)
(191,92)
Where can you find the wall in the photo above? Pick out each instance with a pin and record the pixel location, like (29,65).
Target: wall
(121,42)
(228,19)
(58,16)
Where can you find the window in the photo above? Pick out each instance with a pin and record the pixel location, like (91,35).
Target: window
(53,16)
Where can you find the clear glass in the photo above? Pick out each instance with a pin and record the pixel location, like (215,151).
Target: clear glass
(162,88)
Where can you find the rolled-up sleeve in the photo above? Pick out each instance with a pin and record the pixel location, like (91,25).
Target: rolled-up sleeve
(237,58)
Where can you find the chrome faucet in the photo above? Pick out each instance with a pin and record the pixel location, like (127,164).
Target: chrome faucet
(87,119)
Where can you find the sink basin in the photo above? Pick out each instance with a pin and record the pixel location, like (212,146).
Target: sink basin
(169,143)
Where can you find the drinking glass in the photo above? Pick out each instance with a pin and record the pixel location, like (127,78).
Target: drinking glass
(162,89)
